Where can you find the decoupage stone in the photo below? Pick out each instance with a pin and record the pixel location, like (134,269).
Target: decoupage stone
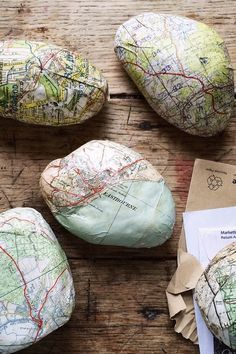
(109,194)
(183,69)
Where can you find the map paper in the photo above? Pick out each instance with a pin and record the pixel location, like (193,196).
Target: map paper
(36,286)
(45,84)
(182,67)
(109,194)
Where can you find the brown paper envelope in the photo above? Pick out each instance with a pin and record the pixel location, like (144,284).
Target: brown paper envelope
(213,185)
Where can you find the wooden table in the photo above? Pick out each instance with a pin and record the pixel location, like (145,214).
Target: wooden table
(120,303)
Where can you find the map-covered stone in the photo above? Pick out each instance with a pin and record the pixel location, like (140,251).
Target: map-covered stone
(183,69)
(215,295)
(45,84)
(36,286)
(108,194)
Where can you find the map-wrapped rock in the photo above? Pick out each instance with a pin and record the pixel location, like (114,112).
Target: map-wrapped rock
(108,194)
(183,69)
(45,84)
(215,295)
(36,286)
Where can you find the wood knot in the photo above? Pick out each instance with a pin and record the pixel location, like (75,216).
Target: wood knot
(23,9)
(150,313)
(145,126)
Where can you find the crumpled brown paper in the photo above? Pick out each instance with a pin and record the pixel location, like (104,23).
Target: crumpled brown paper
(213,185)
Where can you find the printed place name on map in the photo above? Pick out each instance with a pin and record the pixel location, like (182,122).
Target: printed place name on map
(118,200)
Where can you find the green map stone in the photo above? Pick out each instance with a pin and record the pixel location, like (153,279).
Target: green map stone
(45,84)
(182,68)
(36,286)
(215,295)
(106,193)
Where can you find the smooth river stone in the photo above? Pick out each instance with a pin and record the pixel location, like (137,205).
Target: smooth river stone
(182,68)
(49,85)
(215,295)
(36,286)
(108,194)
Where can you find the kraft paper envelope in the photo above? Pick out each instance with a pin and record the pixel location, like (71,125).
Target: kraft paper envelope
(213,185)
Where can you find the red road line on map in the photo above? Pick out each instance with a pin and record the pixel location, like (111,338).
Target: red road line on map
(174,45)
(95,190)
(50,57)
(41,67)
(165,73)
(114,174)
(25,285)
(77,170)
(19,219)
(213,102)
(43,304)
(37,320)
(206,91)
(26,220)
(127,166)
(55,166)
(182,75)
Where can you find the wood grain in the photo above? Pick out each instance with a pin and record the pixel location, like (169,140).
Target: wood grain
(121,306)
(90,26)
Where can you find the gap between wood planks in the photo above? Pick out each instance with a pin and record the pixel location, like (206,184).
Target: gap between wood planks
(136,96)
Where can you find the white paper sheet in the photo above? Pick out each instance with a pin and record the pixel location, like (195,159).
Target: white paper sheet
(207,232)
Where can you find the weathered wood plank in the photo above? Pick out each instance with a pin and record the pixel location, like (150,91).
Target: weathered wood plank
(90,26)
(25,151)
(120,308)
